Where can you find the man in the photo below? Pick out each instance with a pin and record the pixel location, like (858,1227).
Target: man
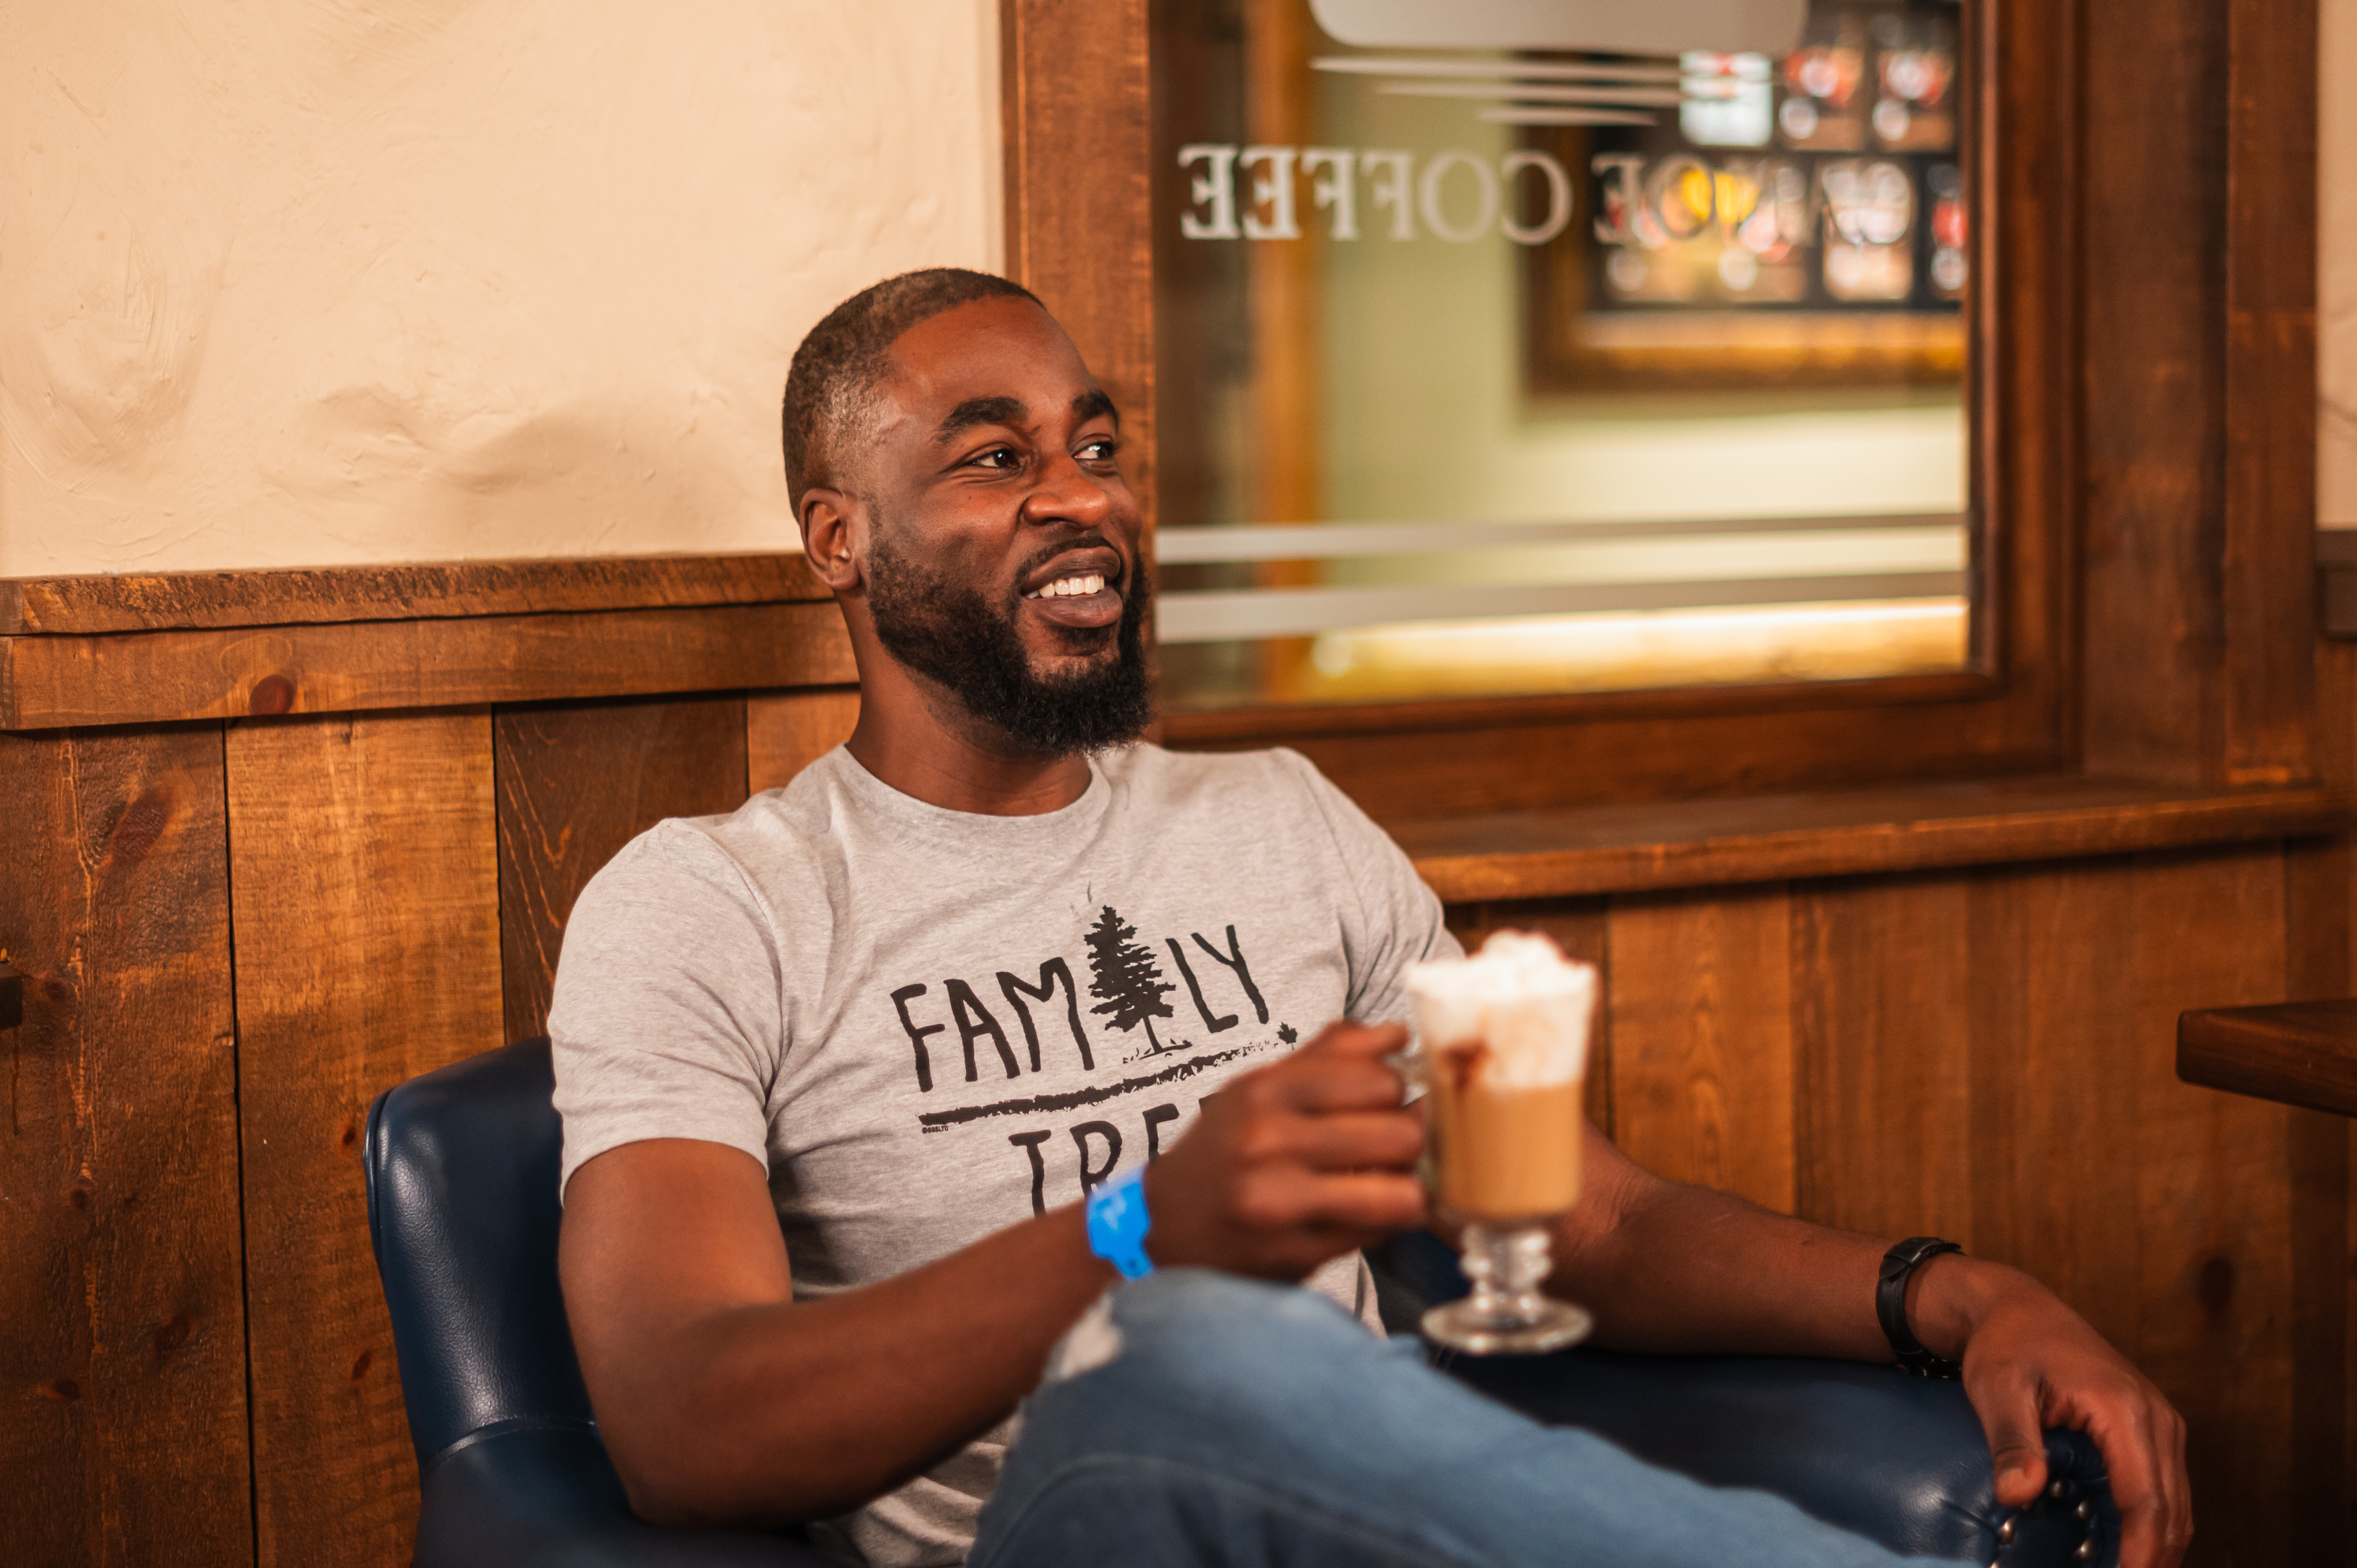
(837,1070)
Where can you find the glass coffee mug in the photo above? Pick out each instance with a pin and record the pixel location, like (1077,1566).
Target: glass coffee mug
(1502,1057)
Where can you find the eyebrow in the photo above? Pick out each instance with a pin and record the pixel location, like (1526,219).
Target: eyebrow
(976,411)
(1090,404)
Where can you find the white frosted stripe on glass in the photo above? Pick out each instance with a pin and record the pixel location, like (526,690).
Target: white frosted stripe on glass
(1639,97)
(1533,70)
(1222,617)
(1329,541)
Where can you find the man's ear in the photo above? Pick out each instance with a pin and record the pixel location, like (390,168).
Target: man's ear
(827,519)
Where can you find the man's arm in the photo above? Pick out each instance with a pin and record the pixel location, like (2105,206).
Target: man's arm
(722,1399)
(1668,1267)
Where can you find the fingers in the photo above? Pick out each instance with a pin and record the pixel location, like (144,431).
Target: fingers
(1343,1037)
(2017,1439)
(1342,1140)
(2146,1457)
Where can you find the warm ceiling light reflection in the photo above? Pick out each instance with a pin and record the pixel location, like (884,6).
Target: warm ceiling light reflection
(1619,652)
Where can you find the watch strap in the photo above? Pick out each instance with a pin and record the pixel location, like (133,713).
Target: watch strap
(1118,1223)
(1899,1265)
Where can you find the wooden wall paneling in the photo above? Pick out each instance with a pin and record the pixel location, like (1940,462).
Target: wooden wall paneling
(2319,876)
(785,732)
(1702,1039)
(364,881)
(122,1410)
(1882,1048)
(1579,928)
(165,601)
(2268,570)
(2153,424)
(2215,1182)
(52,681)
(1079,154)
(575,784)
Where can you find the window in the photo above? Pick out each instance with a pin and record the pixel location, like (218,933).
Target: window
(1507,350)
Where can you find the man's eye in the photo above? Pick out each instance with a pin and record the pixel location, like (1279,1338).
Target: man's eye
(997,457)
(1103,449)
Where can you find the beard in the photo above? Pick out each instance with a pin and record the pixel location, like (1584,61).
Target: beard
(949,633)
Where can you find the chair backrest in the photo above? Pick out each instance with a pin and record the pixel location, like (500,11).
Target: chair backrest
(463,1215)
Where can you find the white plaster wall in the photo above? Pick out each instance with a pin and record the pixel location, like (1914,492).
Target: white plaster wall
(328,282)
(2336,271)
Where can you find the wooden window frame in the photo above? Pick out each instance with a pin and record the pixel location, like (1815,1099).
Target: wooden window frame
(2162,637)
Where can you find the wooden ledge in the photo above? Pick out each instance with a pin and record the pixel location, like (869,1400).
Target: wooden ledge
(2301,1053)
(182,601)
(1659,845)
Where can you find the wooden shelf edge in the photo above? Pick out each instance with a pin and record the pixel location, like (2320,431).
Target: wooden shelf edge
(166,677)
(1602,855)
(185,601)
(2296,1053)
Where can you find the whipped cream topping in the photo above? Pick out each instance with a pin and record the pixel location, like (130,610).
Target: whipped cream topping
(1519,997)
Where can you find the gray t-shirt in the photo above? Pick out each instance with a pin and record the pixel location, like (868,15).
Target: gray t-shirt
(931,1024)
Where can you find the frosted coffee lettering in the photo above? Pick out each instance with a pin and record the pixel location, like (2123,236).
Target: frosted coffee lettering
(1253,192)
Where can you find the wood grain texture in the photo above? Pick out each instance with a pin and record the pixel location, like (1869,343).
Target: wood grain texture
(1581,930)
(2294,1053)
(122,1413)
(2266,573)
(785,732)
(575,784)
(1637,847)
(1702,1039)
(52,681)
(1074,112)
(365,887)
(1882,1091)
(145,601)
(2151,409)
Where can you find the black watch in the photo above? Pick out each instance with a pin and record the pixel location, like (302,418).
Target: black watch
(1890,1306)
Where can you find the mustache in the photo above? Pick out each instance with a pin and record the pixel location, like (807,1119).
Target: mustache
(1132,568)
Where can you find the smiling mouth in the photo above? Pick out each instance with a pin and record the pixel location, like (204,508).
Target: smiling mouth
(1080,585)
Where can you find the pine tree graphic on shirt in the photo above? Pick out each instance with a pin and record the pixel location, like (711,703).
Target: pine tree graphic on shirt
(1123,972)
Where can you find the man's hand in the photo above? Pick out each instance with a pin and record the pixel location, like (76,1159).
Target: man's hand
(1293,1164)
(2031,1363)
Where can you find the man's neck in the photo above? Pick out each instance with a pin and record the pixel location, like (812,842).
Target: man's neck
(934,750)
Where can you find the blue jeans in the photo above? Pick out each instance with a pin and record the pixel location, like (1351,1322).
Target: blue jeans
(1242,1425)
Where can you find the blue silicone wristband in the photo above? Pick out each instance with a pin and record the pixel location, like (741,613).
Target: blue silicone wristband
(1118,1224)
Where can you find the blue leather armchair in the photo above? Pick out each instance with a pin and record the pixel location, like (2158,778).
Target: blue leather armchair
(463,1215)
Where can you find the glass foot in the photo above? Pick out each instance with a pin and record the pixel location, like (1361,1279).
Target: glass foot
(1545,1324)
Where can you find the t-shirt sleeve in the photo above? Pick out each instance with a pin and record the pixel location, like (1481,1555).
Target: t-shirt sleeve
(665,1021)
(1391,919)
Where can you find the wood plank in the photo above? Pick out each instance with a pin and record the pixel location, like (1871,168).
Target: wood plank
(575,784)
(2267,582)
(365,886)
(2151,409)
(161,601)
(2295,1053)
(1632,846)
(785,732)
(2215,1181)
(1580,928)
(121,1310)
(1702,1039)
(1074,112)
(53,681)
(1882,1025)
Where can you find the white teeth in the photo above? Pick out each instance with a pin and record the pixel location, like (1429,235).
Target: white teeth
(1067,588)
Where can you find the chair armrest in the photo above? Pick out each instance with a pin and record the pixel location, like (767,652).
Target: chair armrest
(1899,1459)
(542,1494)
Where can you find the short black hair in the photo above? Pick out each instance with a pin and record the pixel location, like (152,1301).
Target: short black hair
(835,370)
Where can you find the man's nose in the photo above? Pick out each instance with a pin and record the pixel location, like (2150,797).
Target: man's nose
(1068,493)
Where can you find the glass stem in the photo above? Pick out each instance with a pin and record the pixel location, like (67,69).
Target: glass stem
(1507,1265)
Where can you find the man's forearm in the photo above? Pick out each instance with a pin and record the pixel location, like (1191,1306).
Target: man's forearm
(1690,1270)
(727,1401)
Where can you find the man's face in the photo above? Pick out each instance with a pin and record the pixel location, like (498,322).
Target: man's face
(1003,558)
